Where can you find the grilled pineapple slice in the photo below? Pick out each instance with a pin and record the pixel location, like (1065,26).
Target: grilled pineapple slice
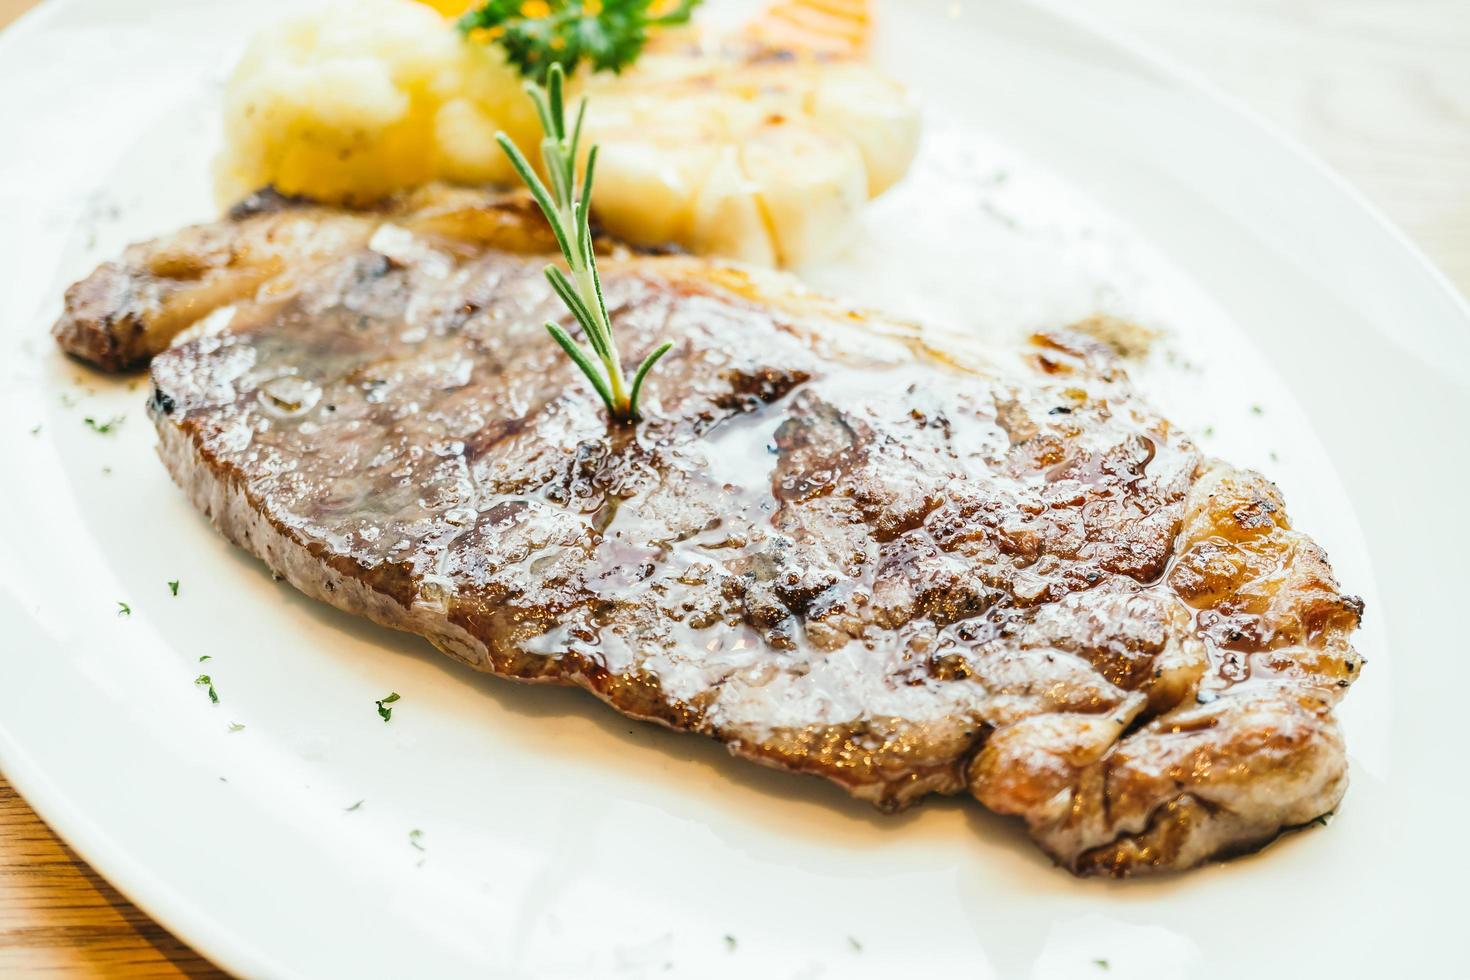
(745,145)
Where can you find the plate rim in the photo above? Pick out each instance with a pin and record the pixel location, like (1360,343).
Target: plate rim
(208,933)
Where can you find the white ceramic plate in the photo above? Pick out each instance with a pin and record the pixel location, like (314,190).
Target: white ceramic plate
(1063,172)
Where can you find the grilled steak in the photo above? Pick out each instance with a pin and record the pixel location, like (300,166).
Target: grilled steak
(836,545)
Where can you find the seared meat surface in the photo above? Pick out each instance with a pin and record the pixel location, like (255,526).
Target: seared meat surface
(835,545)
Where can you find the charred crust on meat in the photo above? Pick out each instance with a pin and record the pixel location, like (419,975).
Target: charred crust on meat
(160,402)
(267,200)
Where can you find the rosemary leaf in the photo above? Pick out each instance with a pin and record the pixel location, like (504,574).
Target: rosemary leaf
(648,362)
(577,354)
(536,187)
(568,294)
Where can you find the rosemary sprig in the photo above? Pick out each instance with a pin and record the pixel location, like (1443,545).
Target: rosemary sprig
(569,215)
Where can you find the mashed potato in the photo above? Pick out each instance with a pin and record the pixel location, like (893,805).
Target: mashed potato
(364,100)
(709,147)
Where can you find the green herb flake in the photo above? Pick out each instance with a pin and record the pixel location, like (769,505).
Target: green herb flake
(730,942)
(205,657)
(537,37)
(857,947)
(415,837)
(1257,410)
(173,587)
(203,681)
(36,429)
(103,428)
(235,726)
(1102,964)
(123,609)
(385,712)
(354,807)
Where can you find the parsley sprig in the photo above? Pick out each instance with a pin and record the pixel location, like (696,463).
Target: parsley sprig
(537,34)
(570,219)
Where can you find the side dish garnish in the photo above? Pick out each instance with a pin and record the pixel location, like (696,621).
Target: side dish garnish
(570,219)
(537,34)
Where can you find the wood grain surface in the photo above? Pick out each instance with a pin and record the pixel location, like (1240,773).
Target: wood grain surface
(58,917)
(1379,88)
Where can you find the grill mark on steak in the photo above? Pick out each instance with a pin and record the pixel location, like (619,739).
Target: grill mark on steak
(829,549)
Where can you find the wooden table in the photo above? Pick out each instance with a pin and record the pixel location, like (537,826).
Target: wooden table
(57,916)
(1380,88)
